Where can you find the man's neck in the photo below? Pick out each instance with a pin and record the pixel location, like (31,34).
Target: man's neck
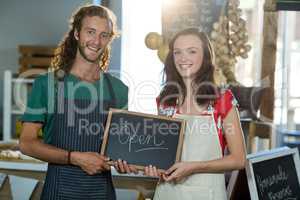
(85,70)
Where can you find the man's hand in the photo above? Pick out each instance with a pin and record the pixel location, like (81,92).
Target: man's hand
(90,162)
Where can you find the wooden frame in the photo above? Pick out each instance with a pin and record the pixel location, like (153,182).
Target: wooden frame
(264,156)
(108,123)
(237,187)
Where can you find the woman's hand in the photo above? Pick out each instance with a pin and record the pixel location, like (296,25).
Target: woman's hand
(152,171)
(123,167)
(179,171)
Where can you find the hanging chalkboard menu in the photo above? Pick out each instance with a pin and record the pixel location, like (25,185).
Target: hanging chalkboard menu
(179,15)
(293,5)
(143,139)
(274,175)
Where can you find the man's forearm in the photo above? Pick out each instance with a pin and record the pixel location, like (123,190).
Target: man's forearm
(45,152)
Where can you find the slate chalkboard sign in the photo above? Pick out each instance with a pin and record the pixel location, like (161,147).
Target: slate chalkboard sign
(191,13)
(292,5)
(143,139)
(274,175)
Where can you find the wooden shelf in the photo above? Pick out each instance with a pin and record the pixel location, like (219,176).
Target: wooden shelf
(37,50)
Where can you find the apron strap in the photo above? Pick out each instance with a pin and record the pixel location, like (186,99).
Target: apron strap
(111,90)
(58,93)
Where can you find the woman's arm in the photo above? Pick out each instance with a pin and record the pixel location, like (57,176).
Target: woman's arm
(236,146)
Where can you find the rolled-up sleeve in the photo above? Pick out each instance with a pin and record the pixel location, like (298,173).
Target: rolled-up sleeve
(36,108)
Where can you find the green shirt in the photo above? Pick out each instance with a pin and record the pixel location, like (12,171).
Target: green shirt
(40,106)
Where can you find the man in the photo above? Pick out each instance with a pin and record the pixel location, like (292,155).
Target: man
(70,106)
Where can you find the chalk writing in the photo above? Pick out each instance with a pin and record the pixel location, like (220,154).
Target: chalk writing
(280,178)
(143,136)
(150,140)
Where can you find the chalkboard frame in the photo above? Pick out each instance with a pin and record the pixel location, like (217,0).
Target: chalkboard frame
(113,111)
(268,155)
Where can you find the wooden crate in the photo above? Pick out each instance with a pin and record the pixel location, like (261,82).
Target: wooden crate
(33,56)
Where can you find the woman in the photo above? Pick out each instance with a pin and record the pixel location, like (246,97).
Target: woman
(212,122)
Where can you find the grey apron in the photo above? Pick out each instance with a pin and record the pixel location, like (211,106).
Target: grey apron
(69,181)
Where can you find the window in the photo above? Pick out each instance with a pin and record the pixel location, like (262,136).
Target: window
(248,70)
(140,66)
(287,105)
